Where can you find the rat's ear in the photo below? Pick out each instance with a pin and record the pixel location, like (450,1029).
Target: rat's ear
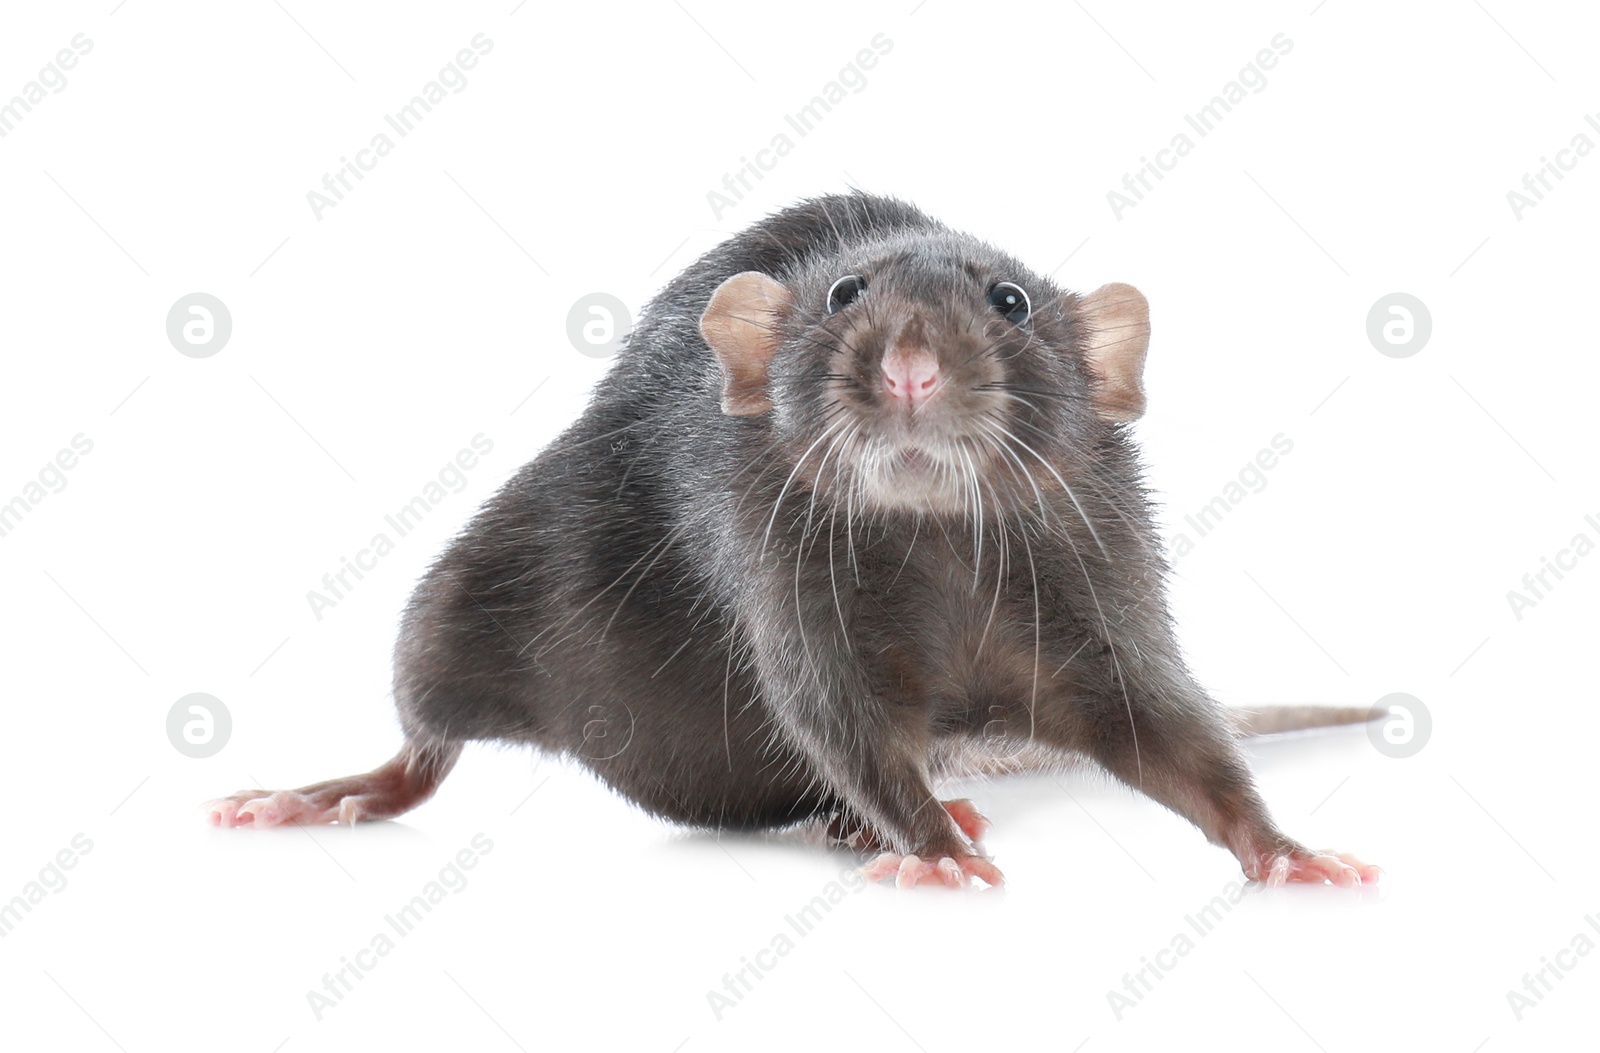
(1116,326)
(740,326)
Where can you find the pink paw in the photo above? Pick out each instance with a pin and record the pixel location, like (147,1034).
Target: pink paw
(910,871)
(264,808)
(1314,867)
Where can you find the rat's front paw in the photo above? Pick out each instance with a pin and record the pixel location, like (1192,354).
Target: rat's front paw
(1340,868)
(952,872)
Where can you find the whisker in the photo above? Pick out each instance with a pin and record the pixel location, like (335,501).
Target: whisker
(1075,503)
(777,504)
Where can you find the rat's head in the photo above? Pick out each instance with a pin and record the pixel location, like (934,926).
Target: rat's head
(925,370)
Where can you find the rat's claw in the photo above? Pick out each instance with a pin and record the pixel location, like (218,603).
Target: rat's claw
(910,871)
(222,811)
(881,867)
(265,808)
(262,811)
(980,867)
(1338,868)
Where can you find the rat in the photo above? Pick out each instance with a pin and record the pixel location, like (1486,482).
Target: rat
(857,505)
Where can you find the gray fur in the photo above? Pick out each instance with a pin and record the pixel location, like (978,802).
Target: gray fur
(781,637)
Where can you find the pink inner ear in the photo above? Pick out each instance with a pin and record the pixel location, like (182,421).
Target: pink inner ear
(740,326)
(1116,320)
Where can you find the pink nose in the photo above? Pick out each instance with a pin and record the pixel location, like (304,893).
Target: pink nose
(910,375)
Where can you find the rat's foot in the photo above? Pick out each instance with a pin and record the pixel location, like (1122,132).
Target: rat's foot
(910,871)
(396,787)
(263,808)
(1303,864)
(865,839)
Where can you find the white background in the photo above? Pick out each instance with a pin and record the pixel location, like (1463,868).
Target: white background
(371,344)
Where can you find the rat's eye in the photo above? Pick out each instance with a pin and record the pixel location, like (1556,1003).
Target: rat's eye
(1010,301)
(844,291)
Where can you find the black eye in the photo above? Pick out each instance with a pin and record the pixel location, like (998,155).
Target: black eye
(1010,301)
(845,290)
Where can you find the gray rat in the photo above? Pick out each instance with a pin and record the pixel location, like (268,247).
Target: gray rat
(857,504)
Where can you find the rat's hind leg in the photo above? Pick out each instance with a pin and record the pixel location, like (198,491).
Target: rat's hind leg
(398,786)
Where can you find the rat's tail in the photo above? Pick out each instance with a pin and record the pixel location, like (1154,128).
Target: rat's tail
(1276,720)
(957,758)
